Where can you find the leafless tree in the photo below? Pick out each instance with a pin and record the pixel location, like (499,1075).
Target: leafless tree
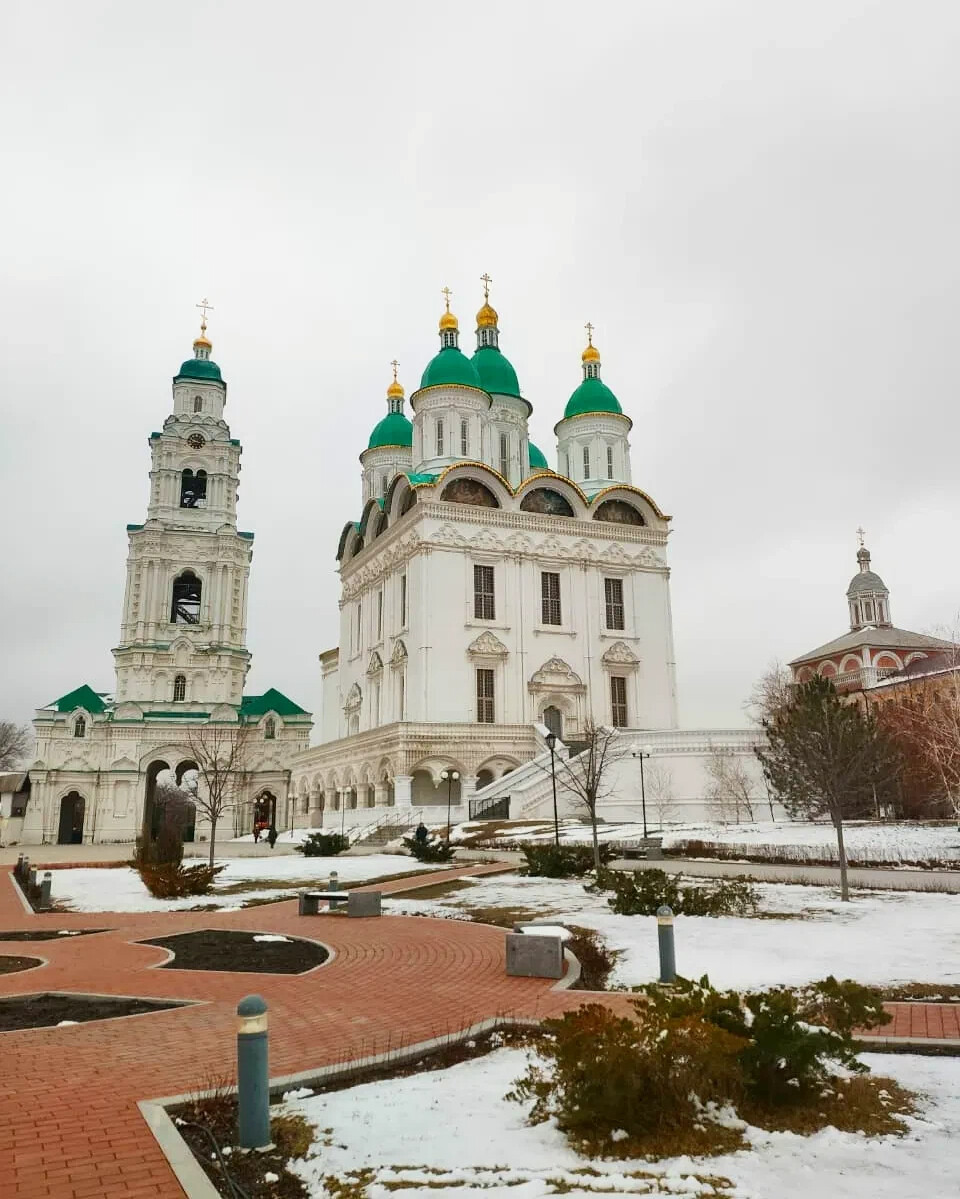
(586,776)
(660,788)
(729,786)
(14,744)
(770,693)
(221,753)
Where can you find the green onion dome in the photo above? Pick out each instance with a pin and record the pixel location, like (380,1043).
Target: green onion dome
(592,396)
(497,375)
(200,368)
(451,366)
(394,429)
(538,460)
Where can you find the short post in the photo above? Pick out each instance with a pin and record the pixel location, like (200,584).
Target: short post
(668,958)
(18,869)
(253,1074)
(334,886)
(31,882)
(45,888)
(24,871)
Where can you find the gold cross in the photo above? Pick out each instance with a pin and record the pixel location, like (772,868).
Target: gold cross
(589,329)
(486,281)
(394,364)
(861,533)
(447,293)
(206,306)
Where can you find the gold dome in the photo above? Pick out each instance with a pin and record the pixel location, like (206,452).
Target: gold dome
(448,321)
(203,342)
(395,390)
(487,317)
(590,354)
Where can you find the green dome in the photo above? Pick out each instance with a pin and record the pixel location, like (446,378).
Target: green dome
(496,374)
(450,366)
(199,368)
(394,429)
(538,459)
(592,396)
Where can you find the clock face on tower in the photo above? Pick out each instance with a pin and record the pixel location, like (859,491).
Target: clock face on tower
(196,441)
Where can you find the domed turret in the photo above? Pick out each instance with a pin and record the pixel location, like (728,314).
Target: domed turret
(450,366)
(201,366)
(496,372)
(538,460)
(592,395)
(867,595)
(389,449)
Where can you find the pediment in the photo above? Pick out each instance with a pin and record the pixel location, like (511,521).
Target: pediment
(399,655)
(620,654)
(124,763)
(354,699)
(487,645)
(375,665)
(556,675)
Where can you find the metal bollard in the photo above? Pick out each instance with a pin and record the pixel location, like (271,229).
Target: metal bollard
(668,958)
(253,1074)
(31,881)
(24,871)
(45,888)
(18,869)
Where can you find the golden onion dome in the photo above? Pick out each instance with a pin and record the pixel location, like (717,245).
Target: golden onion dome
(203,343)
(448,321)
(590,354)
(487,317)
(395,390)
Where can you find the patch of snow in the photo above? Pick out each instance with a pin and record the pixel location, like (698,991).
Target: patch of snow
(65,1023)
(271,1177)
(270,937)
(299,1093)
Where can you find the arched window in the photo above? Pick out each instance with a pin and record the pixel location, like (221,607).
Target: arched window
(193,489)
(185,608)
(546,500)
(198,403)
(586,462)
(619,512)
(469,491)
(270,729)
(179,688)
(80,727)
(439,438)
(408,502)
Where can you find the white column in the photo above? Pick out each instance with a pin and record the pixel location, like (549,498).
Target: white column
(403,790)
(381,794)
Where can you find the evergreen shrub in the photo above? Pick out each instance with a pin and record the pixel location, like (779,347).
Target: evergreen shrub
(429,851)
(641,892)
(324,845)
(547,860)
(174,880)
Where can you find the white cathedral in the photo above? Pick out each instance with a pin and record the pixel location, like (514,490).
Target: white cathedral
(488,603)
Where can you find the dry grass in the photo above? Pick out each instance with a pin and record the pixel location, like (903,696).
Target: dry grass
(864,1103)
(930,992)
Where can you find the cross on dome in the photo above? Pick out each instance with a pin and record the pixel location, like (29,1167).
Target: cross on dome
(861,533)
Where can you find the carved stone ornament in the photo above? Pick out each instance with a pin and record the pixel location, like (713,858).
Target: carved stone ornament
(399,657)
(354,699)
(376,664)
(621,655)
(556,675)
(487,645)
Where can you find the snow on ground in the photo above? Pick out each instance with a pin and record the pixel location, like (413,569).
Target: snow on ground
(878,937)
(485,1143)
(120,889)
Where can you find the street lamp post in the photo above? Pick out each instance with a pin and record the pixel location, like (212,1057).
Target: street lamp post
(551,740)
(449,775)
(640,754)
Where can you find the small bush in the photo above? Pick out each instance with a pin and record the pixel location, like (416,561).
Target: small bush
(561,861)
(430,851)
(166,849)
(640,894)
(324,845)
(171,881)
(596,961)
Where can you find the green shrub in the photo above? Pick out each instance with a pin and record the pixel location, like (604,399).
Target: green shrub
(166,849)
(641,892)
(547,860)
(173,881)
(324,845)
(429,851)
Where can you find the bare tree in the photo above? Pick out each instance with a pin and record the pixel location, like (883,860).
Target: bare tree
(770,693)
(221,753)
(660,788)
(586,776)
(729,786)
(14,743)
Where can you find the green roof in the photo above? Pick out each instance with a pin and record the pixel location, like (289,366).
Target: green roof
(394,429)
(200,368)
(592,396)
(538,460)
(246,536)
(133,528)
(451,366)
(271,701)
(420,478)
(83,697)
(496,374)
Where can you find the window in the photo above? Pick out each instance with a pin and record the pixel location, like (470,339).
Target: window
(868,610)
(504,455)
(179,688)
(185,608)
(550,596)
(484,696)
(402,695)
(618,700)
(193,489)
(270,729)
(439,438)
(609,461)
(198,403)
(464,438)
(380,615)
(383,484)
(403,601)
(566,461)
(358,632)
(586,462)
(80,727)
(613,596)
(484,607)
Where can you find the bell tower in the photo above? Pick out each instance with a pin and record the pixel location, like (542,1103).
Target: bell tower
(183,631)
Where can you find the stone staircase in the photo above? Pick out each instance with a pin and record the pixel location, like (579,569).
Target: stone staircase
(398,823)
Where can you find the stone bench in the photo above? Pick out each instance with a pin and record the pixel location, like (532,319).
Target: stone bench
(535,950)
(359,903)
(650,850)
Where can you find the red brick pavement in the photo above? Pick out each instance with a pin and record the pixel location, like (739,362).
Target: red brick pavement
(69,1125)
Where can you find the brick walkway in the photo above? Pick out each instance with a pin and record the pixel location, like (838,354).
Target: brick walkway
(69,1125)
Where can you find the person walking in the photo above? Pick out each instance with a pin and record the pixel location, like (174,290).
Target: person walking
(421,835)
(272,836)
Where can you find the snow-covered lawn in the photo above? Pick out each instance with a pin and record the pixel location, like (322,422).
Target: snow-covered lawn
(879,937)
(120,889)
(452,1129)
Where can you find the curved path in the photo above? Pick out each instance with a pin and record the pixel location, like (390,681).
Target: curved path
(69,1124)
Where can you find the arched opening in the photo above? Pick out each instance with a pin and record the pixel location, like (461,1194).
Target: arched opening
(187,777)
(484,778)
(408,502)
(270,729)
(179,688)
(80,727)
(185,608)
(72,809)
(193,489)
(153,802)
(553,719)
(619,512)
(264,812)
(469,491)
(198,403)
(547,501)
(381,525)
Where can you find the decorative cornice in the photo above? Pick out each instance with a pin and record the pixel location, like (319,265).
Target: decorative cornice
(556,675)
(487,645)
(620,654)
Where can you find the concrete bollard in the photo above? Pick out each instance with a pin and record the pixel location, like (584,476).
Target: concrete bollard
(334,886)
(668,959)
(253,1074)
(24,871)
(45,888)
(31,882)
(18,869)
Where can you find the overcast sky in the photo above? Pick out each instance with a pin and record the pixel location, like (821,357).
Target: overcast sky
(756,204)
